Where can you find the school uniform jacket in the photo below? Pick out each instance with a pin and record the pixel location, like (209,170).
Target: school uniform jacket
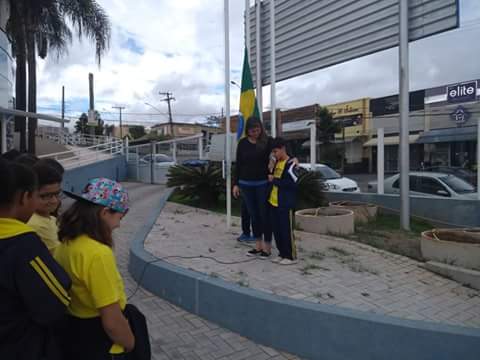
(33,292)
(286,184)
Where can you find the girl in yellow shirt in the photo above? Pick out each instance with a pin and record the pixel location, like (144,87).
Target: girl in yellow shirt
(97,328)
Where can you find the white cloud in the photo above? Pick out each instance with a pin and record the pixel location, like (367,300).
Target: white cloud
(169,45)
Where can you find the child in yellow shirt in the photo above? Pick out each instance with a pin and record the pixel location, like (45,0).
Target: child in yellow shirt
(49,194)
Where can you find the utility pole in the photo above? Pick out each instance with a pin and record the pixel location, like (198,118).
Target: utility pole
(91,108)
(120,108)
(63,106)
(169,97)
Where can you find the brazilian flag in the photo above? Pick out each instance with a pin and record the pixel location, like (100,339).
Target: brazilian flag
(248,101)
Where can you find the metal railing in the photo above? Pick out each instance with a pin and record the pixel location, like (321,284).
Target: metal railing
(78,156)
(63,137)
(139,157)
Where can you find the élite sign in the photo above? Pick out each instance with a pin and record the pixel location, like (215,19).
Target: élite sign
(462,92)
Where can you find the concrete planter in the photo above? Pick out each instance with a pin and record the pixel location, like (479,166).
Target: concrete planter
(364,212)
(325,220)
(458,247)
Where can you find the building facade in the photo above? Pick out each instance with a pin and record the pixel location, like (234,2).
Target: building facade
(385,114)
(354,117)
(442,126)
(185,130)
(451,113)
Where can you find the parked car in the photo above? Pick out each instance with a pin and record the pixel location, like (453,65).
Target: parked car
(465,174)
(331,180)
(160,160)
(195,163)
(430,184)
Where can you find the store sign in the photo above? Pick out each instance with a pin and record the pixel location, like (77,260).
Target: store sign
(390,104)
(353,120)
(460,116)
(462,92)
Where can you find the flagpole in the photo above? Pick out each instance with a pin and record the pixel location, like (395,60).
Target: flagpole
(247,26)
(228,138)
(258,27)
(273,100)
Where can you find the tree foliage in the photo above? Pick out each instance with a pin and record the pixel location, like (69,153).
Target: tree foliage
(39,26)
(137,131)
(327,127)
(310,194)
(81,125)
(203,184)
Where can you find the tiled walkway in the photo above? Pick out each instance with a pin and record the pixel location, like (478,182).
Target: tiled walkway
(330,271)
(175,333)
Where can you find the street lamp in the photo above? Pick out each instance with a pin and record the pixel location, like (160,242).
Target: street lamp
(235,83)
(157,109)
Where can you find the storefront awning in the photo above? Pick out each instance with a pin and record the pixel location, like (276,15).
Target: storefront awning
(392,140)
(448,135)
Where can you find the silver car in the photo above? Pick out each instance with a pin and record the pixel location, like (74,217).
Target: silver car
(430,184)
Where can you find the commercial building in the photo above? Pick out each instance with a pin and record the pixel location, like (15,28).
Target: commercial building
(451,113)
(354,117)
(442,126)
(185,129)
(385,114)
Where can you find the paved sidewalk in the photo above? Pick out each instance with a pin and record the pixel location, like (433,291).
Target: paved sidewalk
(330,270)
(175,333)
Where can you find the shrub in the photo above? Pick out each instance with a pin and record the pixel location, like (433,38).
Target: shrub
(310,194)
(203,184)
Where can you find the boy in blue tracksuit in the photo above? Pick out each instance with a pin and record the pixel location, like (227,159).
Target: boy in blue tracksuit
(281,201)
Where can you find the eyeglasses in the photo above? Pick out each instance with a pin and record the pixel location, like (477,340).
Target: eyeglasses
(49,196)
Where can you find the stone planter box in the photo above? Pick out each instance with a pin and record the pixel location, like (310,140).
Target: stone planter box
(364,212)
(325,220)
(457,247)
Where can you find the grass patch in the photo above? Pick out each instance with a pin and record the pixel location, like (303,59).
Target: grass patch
(385,233)
(392,223)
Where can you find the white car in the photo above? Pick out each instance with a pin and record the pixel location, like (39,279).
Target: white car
(160,160)
(333,181)
(430,184)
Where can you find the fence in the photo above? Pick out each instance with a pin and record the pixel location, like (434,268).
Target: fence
(61,136)
(164,154)
(87,155)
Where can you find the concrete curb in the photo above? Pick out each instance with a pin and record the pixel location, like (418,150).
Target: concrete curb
(309,330)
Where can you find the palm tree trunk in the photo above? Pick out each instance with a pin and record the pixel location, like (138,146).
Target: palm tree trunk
(20,75)
(32,91)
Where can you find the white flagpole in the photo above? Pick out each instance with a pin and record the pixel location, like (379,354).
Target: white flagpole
(273,100)
(228,138)
(247,27)
(258,62)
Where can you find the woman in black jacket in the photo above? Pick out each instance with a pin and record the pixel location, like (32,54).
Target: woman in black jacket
(251,181)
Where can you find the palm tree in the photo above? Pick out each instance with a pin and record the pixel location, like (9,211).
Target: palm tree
(327,127)
(42,25)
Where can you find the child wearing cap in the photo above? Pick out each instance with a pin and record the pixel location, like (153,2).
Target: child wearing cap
(97,327)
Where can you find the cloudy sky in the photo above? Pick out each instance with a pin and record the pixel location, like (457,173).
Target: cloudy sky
(177,46)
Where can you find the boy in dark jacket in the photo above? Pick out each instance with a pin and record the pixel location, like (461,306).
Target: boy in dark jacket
(282,202)
(33,287)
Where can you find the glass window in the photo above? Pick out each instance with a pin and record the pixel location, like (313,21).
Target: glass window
(431,186)
(458,185)
(327,172)
(412,183)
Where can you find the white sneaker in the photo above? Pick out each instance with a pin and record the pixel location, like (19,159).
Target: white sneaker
(277,259)
(287,262)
